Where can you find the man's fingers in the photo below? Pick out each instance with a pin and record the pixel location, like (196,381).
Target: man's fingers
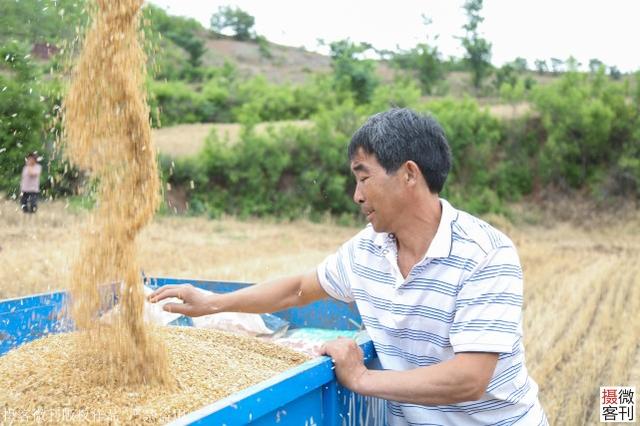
(329,348)
(323,350)
(160,294)
(159,291)
(173,290)
(176,308)
(170,292)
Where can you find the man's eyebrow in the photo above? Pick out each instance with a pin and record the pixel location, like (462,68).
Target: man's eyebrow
(360,168)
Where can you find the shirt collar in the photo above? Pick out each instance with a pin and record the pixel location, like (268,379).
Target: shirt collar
(382,238)
(440,245)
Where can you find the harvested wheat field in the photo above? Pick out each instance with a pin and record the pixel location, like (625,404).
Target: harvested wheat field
(205,365)
(582,281)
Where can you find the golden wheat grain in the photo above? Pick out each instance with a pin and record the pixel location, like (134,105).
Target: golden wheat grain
(57,379)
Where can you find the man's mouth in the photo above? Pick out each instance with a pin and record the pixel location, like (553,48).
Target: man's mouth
(368,213)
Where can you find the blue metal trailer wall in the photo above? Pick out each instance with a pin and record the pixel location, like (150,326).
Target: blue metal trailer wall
(306,395)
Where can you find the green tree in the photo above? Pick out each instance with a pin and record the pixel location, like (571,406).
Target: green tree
(194,47)
(424,60)
(627,171)
(513,92)
(595,65)
(541,66)
(572,64)
(506,74)
(184,32)
(235,19)
(615,73)
(520,64)
(41,21)
(588,122)
(556,65)
(474,135)
(478,49)
(263,47)
(21,114)
(352,74)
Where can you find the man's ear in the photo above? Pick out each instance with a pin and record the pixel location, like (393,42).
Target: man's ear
(412,172)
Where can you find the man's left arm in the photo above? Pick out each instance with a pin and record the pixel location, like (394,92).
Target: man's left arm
(486,323)
(463,378)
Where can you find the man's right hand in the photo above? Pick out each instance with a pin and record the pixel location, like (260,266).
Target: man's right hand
(271,296)
(195,302)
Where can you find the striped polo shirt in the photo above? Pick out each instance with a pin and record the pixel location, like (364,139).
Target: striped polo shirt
(465,295)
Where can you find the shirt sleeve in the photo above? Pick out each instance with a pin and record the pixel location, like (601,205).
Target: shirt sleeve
(489,305)
(332,273)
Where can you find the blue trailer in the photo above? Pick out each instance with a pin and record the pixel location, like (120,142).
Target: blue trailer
(305,395)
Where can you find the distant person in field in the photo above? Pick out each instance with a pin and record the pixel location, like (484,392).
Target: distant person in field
(30,184)
(439,291)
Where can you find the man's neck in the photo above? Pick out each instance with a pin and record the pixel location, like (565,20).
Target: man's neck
(415,235)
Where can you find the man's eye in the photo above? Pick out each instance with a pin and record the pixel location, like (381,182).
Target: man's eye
(362,179)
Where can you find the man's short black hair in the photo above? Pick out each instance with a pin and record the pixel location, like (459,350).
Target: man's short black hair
(399,135)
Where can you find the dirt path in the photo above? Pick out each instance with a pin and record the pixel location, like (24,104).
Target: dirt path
(188,139)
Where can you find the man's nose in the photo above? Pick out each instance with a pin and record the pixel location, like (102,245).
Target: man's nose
(358,198)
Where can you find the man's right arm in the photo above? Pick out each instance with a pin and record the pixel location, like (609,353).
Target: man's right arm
(267,297)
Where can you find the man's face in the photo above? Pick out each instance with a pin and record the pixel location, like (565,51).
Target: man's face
(378,194)
(31,161)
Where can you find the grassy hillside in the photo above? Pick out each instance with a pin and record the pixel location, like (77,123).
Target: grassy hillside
(56,23)
(516,134)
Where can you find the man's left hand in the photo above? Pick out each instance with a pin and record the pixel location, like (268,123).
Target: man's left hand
(348,359)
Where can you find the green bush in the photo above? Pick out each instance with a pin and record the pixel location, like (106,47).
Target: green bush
(21,114)
(315,95)
(353,75)
(168,61)
(41,21)
(225,97)
(177,102)
(288,171)
(235,19)
(259,100)
(263,101)
(183,32)
(626,171)
(402,93)
(424,60)
(291,171)
(21,131)
(589,125)
(474,136)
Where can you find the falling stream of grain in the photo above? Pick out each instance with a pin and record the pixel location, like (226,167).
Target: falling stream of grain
(106,121)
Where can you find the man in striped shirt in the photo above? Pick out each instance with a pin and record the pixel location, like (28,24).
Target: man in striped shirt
(440,291)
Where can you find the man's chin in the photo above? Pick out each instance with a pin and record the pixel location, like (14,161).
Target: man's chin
(371,218)
(375,226)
